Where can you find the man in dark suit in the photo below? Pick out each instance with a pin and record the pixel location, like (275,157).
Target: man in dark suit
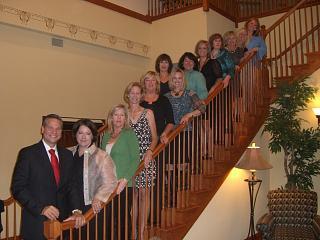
(43,184)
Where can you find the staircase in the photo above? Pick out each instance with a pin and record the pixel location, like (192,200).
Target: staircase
(191,176)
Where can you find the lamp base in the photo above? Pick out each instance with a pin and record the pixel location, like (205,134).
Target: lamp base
(253,197)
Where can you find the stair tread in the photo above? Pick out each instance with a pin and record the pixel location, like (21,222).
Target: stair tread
(171,228)
(213,175)
(189,208)
(313,53)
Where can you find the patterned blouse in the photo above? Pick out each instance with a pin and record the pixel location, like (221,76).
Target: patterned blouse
(186,103)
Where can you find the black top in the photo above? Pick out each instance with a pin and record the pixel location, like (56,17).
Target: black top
(162,111)
(211,71)
(237,54)
(78,168)
(164,88)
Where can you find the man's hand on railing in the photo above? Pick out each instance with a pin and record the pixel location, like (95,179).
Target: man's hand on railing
(122,183)
(51,212)
(78,217)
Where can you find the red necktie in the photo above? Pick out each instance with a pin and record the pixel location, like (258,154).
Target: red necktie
(55,165)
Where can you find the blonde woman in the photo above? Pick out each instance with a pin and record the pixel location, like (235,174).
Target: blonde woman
(159,105)
(202,52)
(122,144)
(236,53)
(142,122)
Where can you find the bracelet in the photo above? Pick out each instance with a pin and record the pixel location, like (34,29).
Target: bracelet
(149,149)
(76,211)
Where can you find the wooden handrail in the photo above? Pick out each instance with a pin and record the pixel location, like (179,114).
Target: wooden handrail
(281,19)
(290,38)
(304,37)
(8,201)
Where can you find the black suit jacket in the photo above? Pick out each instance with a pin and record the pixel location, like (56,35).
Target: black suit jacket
(34,187)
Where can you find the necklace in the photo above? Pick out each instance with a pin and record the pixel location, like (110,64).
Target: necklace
(176,93)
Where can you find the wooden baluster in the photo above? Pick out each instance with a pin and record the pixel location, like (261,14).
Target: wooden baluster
(318,38)
(290,42)
(104,223)
(312,26)
(295,37)
(118,218)
(306,30)
(301,44)
(280,50)
(275,53)
(14,220)
(112,220)
(7,221)
(285,47)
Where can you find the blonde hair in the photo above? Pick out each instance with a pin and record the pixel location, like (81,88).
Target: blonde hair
(227,36)
(110,127)
(128,90)
(198,44)
(149,75)
(177,70)
(239,31)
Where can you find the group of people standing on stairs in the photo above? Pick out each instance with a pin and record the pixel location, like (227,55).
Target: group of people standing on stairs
(51,182)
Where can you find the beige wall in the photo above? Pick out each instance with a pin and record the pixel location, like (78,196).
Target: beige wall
(77,80)
(80,80)
(216,23)
(227,215)
(178,34)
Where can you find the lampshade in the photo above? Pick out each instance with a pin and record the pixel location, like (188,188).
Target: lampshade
(316,111)
(252,160)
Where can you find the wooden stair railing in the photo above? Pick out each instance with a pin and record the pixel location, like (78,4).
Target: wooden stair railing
(190,167)
(236,10)
(291,39)
(190,176)
(10,220)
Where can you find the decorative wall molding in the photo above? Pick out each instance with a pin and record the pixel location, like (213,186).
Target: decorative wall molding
(55,27)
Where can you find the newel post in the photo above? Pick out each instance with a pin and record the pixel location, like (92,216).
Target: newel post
(52,229)
(205,5)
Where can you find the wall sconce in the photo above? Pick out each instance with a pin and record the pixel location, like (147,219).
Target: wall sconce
(316,111)
(252,161)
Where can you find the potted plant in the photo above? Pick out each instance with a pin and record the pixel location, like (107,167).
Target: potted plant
(298,144)
(292,210)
